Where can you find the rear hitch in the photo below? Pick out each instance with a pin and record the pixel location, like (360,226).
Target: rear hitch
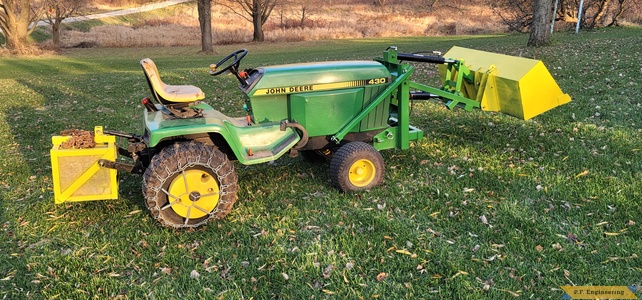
(135,147)
(135,168)
(132,137)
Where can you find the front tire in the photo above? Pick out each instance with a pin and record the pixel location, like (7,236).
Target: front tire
(188,184)
(356,166)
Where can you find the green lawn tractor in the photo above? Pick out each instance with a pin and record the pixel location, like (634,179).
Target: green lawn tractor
(343,112)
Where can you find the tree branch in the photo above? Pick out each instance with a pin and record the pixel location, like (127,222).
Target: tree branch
(234,11)
(246,6)
(36,14)
(267,11)
(4,26)
(3,16)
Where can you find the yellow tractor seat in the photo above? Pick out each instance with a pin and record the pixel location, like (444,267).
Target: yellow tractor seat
(169,94)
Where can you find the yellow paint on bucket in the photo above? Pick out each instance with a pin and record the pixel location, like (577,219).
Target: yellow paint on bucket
(516,86)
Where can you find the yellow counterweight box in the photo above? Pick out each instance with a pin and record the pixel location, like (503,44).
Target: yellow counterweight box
(76,173)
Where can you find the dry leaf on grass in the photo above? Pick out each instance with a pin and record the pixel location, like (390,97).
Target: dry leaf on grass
(328,271)
(404,251)
(486,284)
(382,276)
(460,272)
(584,173)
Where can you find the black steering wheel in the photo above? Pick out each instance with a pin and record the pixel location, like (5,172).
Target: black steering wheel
(233,67)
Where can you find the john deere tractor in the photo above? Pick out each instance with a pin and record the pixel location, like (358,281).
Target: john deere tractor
(344,112)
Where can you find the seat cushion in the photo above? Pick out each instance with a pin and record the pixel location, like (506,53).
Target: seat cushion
(166,92)
(180,93)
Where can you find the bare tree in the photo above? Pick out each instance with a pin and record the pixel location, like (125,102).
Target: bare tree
(17,21)
(618,13)
(255,11)
(205,22)
(58,10)
(605,13)
(540,34)
(305,11)
(296,13)
(306,8)
(518,15)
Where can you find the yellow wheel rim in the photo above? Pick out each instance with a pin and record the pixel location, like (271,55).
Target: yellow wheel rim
(362,173)
(193,194)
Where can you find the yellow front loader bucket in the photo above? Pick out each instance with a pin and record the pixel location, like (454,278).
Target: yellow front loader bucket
(517,86)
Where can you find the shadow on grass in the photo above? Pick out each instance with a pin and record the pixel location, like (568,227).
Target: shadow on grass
(24,69)
(69,104)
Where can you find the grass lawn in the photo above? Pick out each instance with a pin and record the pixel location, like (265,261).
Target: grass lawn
(486,206)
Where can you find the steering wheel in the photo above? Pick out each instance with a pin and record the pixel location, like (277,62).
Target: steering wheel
(232,67)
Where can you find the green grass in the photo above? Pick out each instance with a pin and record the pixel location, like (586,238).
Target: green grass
(559,194)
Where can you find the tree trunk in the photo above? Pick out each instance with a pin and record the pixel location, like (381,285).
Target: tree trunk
(17,37)
(259,36)
(540,30)
(55,32)
(17,16)
(16,44)
(205,22)
(604,7)
(257,22)
(619,12)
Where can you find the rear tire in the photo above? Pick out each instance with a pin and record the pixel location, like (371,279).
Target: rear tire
(188,184)
(356,166)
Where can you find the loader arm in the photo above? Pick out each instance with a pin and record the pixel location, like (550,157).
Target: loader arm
(400,133)
(401,79)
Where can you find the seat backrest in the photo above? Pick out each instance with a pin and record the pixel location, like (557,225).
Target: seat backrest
(153,79)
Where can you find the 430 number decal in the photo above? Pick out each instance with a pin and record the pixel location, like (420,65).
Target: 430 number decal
(378,80)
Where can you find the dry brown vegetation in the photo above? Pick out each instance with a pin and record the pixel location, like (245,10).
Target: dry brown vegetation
(178,26)
(327,21)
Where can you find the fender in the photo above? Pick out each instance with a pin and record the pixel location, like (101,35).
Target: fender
(251,143)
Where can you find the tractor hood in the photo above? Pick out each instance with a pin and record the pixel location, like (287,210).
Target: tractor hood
(308,77)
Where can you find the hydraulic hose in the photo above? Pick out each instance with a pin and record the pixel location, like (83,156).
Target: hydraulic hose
(424,58)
